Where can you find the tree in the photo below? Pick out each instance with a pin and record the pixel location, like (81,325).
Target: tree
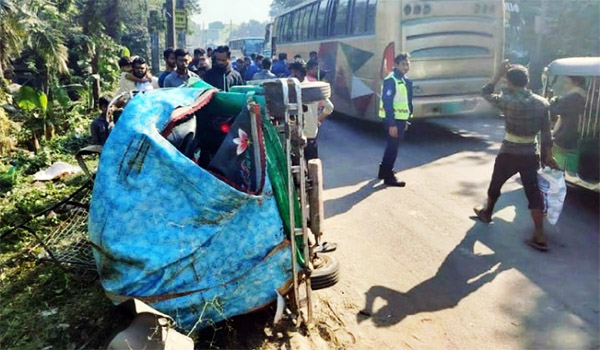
(279,6)
(252,28)
(12,33)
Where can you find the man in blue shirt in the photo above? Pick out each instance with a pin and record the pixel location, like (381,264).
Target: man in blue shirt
(252,69)
(397,108)
(279,68)
(170,64)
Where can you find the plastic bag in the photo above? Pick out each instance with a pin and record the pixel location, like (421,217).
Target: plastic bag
(554,190)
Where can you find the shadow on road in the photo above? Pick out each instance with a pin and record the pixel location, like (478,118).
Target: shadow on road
(568,275)
(351,151)
(462,273)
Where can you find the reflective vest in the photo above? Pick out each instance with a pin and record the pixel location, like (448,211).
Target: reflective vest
(401,110)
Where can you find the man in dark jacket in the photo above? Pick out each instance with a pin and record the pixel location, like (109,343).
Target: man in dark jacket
(100,127)
(221,75)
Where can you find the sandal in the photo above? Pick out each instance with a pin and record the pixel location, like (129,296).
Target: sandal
(540,246)
(481,215)
(325,247)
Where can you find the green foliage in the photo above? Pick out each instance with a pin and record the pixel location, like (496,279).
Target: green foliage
(29,99)
(252,28)
(8,177)
(279,6)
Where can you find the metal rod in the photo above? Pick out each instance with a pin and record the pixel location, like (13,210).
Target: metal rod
(288,149)
(85,185)
(596,130)
(303,201)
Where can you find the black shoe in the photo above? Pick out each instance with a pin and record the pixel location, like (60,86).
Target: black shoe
(392,181)
(383,172)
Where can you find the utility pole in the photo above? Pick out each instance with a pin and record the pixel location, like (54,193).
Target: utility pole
(170,11)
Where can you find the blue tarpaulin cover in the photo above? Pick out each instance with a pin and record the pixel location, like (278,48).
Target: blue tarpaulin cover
(168,232)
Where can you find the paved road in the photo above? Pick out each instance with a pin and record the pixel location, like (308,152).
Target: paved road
(436,278)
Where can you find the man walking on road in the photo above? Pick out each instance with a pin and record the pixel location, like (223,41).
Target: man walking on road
(526,114)
(396,109)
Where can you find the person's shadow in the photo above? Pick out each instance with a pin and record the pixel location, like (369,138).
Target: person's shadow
(461,273)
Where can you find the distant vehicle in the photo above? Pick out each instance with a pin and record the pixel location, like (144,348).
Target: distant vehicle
(454,47)
(581,163)
(246,46)
(268,48)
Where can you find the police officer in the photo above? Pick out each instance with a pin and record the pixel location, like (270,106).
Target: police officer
(396,109)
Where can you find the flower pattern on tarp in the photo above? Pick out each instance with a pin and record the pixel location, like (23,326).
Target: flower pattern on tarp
(241,142)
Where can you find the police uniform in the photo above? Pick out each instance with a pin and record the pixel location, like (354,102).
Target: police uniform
(396,109)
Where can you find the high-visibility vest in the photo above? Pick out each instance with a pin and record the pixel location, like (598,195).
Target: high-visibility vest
(401,109)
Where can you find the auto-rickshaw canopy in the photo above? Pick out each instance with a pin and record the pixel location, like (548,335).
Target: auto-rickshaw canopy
(575,66)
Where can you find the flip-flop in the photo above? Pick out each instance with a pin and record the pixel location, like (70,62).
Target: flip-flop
(479,213)
(542,247)
(325,247)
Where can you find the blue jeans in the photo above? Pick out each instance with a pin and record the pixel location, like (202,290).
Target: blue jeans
(391,149)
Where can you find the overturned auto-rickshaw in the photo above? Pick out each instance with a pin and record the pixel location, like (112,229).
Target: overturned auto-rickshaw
(204,207)
(576,108)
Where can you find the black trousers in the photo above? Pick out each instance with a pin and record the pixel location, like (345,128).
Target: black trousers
(392,144)
(506,166)
(311,151)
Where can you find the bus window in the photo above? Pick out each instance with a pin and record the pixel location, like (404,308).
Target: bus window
(359,17)
(312,21)
(281,30)
(290,28)
(276,29)
(305,22)
(322,20)
(301,26)
(341,17)
(297,28)
(371,16)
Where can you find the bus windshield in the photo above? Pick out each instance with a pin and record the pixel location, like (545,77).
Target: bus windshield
(246,46)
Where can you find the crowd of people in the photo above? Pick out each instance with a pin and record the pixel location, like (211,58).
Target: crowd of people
(215,67)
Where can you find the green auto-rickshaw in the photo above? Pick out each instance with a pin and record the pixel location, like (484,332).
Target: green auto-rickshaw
(572,85)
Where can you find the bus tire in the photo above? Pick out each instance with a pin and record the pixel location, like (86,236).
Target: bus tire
(326,274)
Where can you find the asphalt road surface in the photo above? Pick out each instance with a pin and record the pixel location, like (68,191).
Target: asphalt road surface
(434,277)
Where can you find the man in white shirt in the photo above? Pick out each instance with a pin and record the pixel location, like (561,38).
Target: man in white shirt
(140,70)
(315,113)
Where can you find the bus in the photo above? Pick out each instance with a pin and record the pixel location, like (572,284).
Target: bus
(455,47)
(246,46)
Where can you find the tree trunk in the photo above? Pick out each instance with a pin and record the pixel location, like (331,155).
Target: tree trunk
(35,142)
(49,130)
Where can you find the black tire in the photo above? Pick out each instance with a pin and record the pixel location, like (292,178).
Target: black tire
(315,91)
(311,92)
(327,274)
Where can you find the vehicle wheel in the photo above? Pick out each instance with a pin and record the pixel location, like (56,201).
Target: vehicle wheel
(315,91)
(326,274)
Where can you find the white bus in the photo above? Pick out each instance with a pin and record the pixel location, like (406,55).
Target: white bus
(246,46)
(455,46)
